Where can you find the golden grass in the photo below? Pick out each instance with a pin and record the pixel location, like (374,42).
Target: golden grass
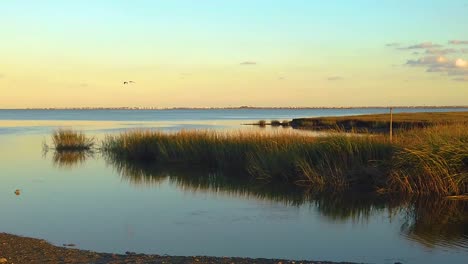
(433,159)
(69,140)
(423,161)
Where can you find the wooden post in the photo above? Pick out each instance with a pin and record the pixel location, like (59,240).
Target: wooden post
(391,124)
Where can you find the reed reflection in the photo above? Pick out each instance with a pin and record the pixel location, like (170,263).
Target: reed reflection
(71,158)
(192,179)
(432,222)
(437,222)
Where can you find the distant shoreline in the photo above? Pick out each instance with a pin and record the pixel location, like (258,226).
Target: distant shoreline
(240,108)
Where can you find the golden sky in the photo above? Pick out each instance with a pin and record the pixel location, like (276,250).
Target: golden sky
(212,54)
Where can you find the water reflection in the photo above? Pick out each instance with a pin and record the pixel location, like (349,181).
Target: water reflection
(429,221)
(437,223)
(71,158)
(358,207)
(192,179)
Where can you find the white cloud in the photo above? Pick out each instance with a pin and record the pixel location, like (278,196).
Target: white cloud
(458,42)
(441,51)
(438,59)
(440,64)
(428,60)
(424,45)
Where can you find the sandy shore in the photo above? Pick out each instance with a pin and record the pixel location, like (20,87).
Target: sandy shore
(23,250)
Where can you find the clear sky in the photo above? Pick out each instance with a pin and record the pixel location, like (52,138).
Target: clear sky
(200,53)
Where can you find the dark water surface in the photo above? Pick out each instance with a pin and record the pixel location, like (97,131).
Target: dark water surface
(102,205)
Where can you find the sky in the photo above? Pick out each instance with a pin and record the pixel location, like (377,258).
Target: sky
(211,53)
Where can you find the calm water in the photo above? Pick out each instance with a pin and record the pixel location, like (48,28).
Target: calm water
(99,205)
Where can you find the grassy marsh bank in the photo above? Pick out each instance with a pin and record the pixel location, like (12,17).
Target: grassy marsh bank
(336,161)
(431,160)
(380,122)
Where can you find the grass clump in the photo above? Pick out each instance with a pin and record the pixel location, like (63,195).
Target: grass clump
(261,123)
(275,123)
(70,140)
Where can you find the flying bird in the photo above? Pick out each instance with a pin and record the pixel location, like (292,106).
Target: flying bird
(128,82)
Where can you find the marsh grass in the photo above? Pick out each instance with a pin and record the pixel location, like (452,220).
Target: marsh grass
(330,162)
(434,159)
(381,122)
(423,161)
(70,140)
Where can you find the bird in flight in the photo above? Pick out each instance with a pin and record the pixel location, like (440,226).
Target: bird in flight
(128,82)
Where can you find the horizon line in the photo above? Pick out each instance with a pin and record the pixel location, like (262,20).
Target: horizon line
(230,107)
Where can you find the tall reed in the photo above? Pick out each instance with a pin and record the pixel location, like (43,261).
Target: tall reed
(431,160)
